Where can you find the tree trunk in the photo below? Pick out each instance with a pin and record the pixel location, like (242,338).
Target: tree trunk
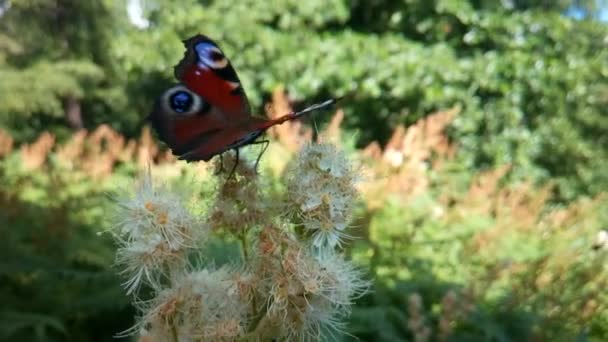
(73,113)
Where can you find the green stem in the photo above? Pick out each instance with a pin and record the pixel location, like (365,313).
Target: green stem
(256,333)
(254,306)
(245,247)
(174,332)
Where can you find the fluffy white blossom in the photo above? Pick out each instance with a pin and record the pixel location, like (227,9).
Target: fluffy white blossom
(321,185)
(308,295)
(207,305)
(155,230)
(238,204)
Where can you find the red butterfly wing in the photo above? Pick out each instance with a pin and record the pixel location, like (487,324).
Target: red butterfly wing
(209,113)
(206,71)
(220,142)
(183,120)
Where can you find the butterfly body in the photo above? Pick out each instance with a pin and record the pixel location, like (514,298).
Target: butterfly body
(208,112)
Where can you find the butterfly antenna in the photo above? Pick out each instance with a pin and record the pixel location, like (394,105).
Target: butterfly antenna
(295,115)
(317,106)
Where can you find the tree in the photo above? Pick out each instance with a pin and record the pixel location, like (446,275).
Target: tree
(56,64)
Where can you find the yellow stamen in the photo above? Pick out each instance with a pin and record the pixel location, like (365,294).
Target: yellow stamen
(150,206)
(162,218)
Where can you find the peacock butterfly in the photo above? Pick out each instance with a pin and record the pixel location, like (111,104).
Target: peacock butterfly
(207,113)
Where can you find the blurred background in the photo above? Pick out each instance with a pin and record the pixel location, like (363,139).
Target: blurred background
(481,127)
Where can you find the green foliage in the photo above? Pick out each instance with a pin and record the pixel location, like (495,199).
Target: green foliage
(56,275)
(520,270)
(44,94)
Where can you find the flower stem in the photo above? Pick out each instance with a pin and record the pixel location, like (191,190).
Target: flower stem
(245,247)
(257,332)
(174,332)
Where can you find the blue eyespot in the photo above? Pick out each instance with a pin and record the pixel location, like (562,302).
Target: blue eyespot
(181,101)
(203,50)
(210,55)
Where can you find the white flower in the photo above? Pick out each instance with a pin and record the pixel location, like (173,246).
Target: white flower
(155,231)
(238,204)
(310,295)
(321,187)
(206,305)
(343,280)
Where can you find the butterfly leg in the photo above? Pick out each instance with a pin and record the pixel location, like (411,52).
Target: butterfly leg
(221,168)
(236,163)
(257,161)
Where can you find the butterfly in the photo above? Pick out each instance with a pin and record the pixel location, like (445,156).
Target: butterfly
(207,113)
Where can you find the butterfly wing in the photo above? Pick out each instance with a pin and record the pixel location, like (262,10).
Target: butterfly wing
(184,120)
(208,72)
(208,113)
(194,129)
(221,142)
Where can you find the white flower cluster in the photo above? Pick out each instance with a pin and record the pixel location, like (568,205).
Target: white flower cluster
(321,184)
(155,232)
(309,295)
(238,203)
(204,305)
(283,290)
